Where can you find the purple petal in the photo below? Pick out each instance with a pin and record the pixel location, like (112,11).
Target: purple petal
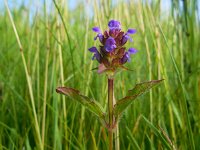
(132,50)
(110,44)
(125,58)
(97,56)
(131,31)
(96,29)
(114,24)
(125,38)
(128,57)
(100,36)
(93,49)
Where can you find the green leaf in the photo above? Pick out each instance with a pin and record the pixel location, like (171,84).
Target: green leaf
(90,104)
(138,90)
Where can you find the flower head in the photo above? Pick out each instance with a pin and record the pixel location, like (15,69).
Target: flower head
(112,54)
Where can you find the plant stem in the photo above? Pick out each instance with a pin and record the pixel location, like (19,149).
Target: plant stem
(116,131)
(110,111)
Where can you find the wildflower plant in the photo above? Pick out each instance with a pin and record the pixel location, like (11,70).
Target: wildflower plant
(111,56)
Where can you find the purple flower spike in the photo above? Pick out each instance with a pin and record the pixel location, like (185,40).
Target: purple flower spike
(96,29)
(112,53)
(131,31)
(96,55)
(132,50)
(113,24)
(110,44)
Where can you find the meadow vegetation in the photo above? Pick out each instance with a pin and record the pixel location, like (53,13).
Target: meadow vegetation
(49,48)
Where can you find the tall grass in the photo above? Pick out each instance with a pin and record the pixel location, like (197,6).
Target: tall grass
(51,50)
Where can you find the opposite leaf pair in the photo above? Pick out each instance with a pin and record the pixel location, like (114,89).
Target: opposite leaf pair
(121,105)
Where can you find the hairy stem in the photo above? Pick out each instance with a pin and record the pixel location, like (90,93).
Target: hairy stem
(110,111)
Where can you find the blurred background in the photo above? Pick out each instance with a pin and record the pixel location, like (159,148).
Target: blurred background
(49,48)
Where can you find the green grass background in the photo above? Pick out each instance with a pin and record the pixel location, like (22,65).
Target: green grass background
(54,52)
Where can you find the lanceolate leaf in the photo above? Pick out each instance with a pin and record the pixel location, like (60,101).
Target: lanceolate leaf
(90,104)
(138,90)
